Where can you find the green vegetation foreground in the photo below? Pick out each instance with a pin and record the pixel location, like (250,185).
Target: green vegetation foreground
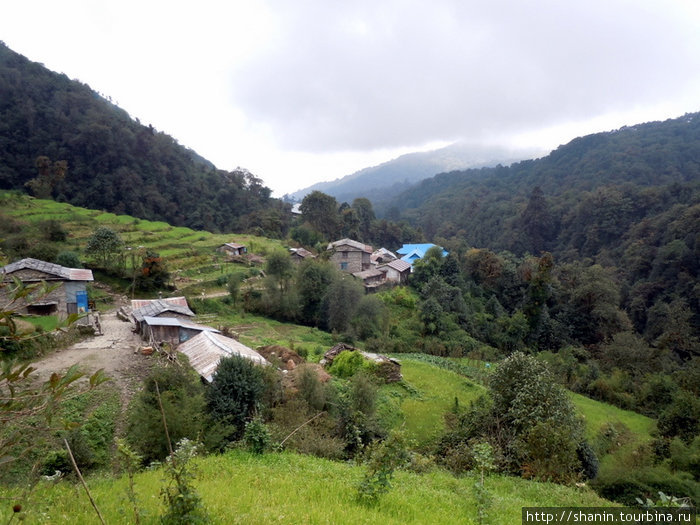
(238,487)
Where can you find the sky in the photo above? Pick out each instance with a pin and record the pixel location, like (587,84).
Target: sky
(303,91)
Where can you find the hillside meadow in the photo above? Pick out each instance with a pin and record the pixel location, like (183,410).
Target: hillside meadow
(238,487)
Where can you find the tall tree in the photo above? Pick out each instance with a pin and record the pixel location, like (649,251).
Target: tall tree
(321,212)
(537,223)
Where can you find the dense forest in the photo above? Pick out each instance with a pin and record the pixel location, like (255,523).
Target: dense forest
(60,139)
(627,200)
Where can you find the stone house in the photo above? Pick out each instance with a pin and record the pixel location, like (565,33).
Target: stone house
(371,279)
(300,254)
(67,296)
(350,256)
(396,271)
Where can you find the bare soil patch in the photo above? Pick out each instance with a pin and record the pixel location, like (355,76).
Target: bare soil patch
(115,351)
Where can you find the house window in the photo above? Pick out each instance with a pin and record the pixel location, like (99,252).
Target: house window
(343,266)
(345,255)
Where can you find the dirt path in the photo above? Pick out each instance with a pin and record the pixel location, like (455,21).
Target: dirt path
(113,351)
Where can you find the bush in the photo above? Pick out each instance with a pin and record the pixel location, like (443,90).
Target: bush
(348,363)
(235,392)
(182,396)
(256,436)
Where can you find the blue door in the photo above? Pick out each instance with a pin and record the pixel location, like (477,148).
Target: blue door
(82,300)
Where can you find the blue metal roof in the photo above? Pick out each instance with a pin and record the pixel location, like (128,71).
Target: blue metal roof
(412,252)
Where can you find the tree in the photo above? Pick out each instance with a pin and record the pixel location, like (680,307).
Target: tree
(340,302)
(235,392)
(365,216)
(537,223)
(280,267)
(103,245)
(313,279)
(50,175)
(154,274)
(69,259)
(321,212)
(527,418)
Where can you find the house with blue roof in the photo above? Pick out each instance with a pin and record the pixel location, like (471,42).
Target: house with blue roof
(412,252)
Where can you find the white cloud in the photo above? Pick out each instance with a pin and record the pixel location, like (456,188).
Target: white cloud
(313,89)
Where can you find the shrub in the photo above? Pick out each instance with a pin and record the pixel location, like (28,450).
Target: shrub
(235,392)
(184,505)
(256,436)
(348,363)
(384,459)
(182,396)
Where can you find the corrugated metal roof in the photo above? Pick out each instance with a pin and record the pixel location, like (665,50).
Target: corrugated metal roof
(350,242)
(155,307)
(367,274)
(68,274)
(174,321)
(398,265)
(178,301)
(205,350)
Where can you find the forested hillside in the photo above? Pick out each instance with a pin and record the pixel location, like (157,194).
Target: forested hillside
(59,139)
(628,200)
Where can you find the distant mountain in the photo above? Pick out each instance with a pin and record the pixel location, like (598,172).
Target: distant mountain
(113,162)
(384,181)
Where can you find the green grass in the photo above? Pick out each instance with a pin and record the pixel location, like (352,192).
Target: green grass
(597,413)
(47,323)
(431,392)
(289,489)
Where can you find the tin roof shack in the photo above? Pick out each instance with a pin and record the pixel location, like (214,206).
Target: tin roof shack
(171,330)
(176,307)
(233,249)
(206,350)
(386,368)
(69,295)
(371,279)
(396,271)
(350,256)
(300,254)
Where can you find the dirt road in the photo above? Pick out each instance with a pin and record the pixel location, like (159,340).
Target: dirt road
(113,351)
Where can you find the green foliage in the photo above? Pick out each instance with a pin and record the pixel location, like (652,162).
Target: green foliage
(235,393)
(68,259)
(383,460)
(103,245)
(130,462)
(681,418)
(257,436)
(348,363)
(154,274)
(528,420)
(484,463)
(340,302)
(310,387)
(182,397)
(184,505)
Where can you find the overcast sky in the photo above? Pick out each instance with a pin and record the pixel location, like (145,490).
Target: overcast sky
(300,91)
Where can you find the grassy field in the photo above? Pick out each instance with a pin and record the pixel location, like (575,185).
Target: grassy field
(291,489)
(427,394)
(596,414)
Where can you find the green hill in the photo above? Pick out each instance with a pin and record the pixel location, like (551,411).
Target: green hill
(114,162)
